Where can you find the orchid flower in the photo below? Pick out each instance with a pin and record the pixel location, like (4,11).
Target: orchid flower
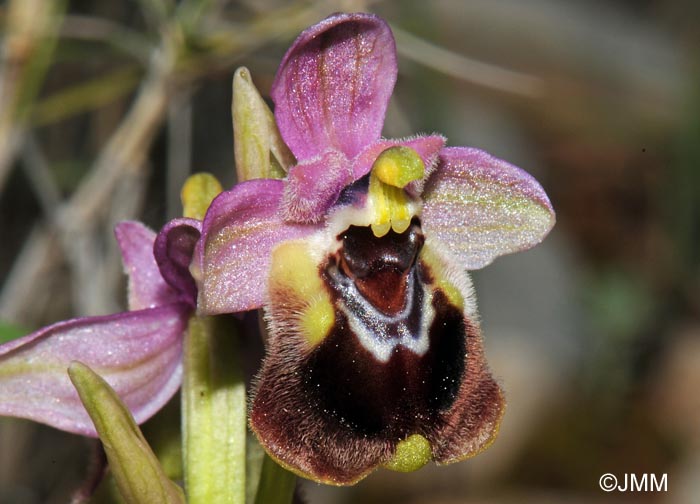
(358,257)
(374,355)
(139,352)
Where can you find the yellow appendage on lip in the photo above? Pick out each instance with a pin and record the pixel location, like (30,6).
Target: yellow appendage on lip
(392,207)
(295,276)
(317,320)
(411,454)
(442,281)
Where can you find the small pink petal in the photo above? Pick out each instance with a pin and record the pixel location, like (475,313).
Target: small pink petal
(139,353)
(173,250)
(232,258)
(314,185)
(147,288)
(481,207)
(333,85)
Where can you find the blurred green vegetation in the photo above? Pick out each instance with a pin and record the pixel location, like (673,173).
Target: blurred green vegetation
(8,332)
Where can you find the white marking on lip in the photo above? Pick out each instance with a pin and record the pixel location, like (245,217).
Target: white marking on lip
(371,335)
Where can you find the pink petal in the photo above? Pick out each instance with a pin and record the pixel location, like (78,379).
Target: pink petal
(482,207)
(233,256)
(173,251)
(314,185)
(333,85)
(147,288)
(139,353)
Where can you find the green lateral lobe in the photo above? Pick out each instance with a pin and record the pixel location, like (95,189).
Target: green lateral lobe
(138,474)
(214,414)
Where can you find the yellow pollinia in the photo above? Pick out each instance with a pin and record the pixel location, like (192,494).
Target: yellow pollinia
(390,205)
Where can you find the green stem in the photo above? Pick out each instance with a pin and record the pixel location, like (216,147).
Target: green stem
(214,414)
(276,484)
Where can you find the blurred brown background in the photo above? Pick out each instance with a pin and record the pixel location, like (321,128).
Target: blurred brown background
(106,106)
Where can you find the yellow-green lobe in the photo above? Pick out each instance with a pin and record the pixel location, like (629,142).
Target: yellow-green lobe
(411,454)
(442,280)
(295,278)
(197,194)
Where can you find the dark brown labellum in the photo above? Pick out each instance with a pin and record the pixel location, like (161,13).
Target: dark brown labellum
(398,358)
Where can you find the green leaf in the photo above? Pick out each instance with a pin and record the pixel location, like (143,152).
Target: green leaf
(259,149)
(138,474)
(9,332)
(214,414)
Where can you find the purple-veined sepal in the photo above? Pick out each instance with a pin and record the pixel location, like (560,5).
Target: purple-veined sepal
(147,288)
(481,207)
(232,258)
(138,353)
(333,85)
